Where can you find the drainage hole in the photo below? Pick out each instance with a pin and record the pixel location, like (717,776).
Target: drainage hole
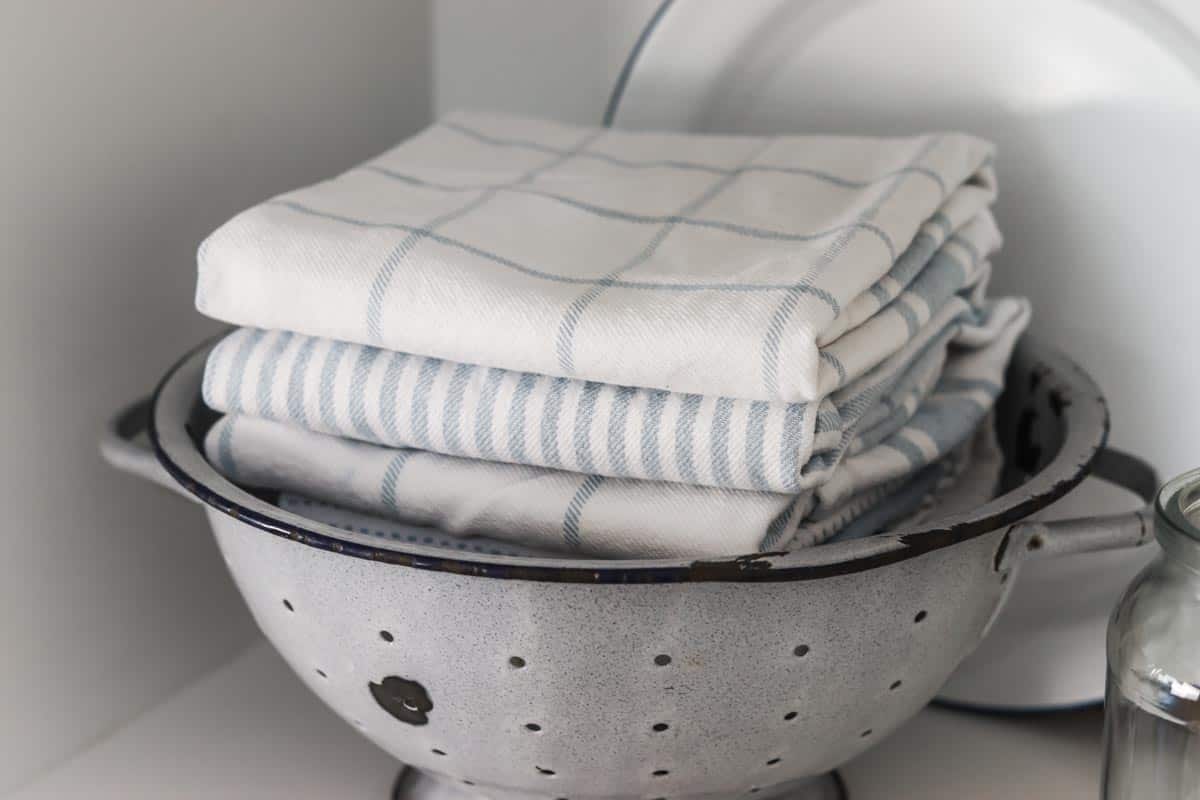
(772,762)
(865,733)
(801,651)
(437,752)
(532,726)
(662,660)
(544,771)
(659,773)
(791,715)
(322,673)
(387,636)
(516,662)
(895,685)
(920,616)
(288,604)
(659,727)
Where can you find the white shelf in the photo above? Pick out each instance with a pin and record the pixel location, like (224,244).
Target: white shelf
(251,730)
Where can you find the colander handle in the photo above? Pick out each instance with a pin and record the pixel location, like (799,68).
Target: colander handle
(1036,539)
(123,444)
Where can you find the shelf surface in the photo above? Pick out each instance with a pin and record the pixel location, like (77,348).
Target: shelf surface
(251,730)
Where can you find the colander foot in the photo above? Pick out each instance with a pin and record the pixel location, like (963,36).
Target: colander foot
(412,784)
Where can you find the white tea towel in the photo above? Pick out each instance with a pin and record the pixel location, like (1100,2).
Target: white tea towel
(962,480)
(620,517)
(401,400)
(722,266)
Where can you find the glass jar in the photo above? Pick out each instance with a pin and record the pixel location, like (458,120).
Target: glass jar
(1152,704)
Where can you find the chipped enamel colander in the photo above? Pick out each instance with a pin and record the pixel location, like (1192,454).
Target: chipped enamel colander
(514,677)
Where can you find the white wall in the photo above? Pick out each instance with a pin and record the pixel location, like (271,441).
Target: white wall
(131,129)
(554,58)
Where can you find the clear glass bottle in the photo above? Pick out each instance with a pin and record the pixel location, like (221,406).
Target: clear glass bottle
(1152,704)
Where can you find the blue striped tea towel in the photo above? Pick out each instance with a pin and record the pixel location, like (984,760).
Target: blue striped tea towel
(719,266)
(403,400)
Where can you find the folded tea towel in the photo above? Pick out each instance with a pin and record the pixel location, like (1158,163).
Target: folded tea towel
(720,266)
(403,400)
(620,517)
(964,480)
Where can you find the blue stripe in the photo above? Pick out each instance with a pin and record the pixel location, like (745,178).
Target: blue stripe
(718,441)
(653,286)
(938,282)
(420,401)
(848,183)
(225,449)
(295,398)
(325,388)
(948,420)
(237,373)
(940,219)
(684,427)
(828,419)
(904,446)
(453,410)
(389,395)
(358,391)
(787,306)
(901,307)
(756,424)
(791,445)
(679,218)
(570,525)
(266,378)
(585,411)
(650,426)
(550,414)
(516,418)
(777,527)
(910,263)
(616,430)
(565,341)
(391,476)
(383,278)
(836,363)
(483,414)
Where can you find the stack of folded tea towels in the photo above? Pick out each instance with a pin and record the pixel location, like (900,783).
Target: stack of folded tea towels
(613,343)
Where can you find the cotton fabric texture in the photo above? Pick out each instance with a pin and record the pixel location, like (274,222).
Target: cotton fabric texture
(711,265)
(620,517)
(614,343)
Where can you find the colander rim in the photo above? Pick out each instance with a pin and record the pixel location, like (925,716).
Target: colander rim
(1083,410)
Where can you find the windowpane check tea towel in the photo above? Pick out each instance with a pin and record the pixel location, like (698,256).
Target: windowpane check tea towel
(717,266)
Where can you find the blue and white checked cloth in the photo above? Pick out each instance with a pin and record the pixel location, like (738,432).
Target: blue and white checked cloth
(714,266)
(622,517)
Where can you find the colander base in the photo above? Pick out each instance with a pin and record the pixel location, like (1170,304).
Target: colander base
(413,784)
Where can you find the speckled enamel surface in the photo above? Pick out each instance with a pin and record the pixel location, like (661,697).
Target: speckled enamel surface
(672,690)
